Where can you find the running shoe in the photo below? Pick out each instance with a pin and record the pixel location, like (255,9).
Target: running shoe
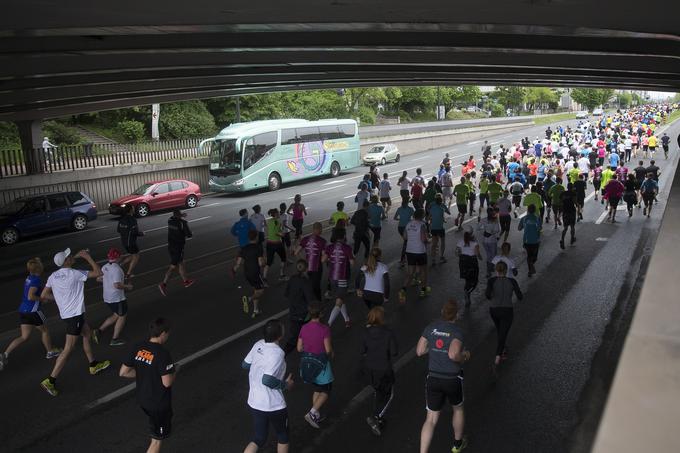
(255,314)
(116,342)
(94,335)
(246,307)
(162,287)
(373,423)
(54,352)
(562,245)
(573,239)
(3,360)
(49,387)
(312,420)
(402,296)
(460,448)
(189,282)
(401,264)
(98,367)
(515,212)
(348,324)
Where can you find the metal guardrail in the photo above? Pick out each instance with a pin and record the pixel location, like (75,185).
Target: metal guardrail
(77,157)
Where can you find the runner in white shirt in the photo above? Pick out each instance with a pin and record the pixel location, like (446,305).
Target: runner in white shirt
(415,235)
(384,190)
(505,257)
(584,167)
(373,282)
(65,286)
(266,367)
(404,187)
(446,181)
(114,286)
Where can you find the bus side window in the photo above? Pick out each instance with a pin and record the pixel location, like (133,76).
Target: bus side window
(289,137)
(258,147)
(347,130)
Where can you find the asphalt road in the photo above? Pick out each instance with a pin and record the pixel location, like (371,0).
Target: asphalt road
(541,402)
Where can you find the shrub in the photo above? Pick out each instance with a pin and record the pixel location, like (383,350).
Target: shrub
(61,134)
(186,120)
(497,110)
(366,115)
(9,136)
(131,131)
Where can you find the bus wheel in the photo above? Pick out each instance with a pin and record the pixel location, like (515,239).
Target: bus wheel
(274,182)
(335,169)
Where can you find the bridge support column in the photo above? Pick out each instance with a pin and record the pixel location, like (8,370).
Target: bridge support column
(31,136)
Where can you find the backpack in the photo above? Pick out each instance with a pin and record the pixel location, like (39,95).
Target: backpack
(311,366)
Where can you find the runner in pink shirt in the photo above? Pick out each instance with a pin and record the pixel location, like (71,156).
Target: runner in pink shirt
(313,245)
(339,257)
(299,212)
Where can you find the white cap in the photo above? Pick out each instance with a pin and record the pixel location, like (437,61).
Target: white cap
(60,257)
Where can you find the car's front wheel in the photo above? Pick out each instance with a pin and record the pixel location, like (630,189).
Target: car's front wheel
(383,161)
(10,236)
(143,210)
(192,201)
(79,222)
(398,158)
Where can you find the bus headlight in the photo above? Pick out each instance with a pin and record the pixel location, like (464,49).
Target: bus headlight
(238,182)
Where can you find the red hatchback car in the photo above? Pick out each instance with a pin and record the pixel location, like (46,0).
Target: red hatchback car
(157,196)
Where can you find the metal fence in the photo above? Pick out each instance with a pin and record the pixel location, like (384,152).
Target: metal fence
(88,156)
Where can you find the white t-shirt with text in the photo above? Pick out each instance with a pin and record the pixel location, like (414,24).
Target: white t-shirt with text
(67,286)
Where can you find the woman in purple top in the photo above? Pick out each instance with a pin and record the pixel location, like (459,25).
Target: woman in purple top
(339,257)
(314,343)
(314,245)
(299,212)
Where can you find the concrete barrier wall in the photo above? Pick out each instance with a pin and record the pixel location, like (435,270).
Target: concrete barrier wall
(104,184)
(422,141)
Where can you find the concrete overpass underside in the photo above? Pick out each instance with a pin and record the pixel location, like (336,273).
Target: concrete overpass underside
(59,58)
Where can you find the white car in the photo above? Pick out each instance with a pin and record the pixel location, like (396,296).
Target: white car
(581,115)
(381,154)
(598,112)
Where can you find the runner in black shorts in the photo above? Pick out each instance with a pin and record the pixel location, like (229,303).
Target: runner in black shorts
(129,232)
(30,315)
(253,262)
(152,367)
(442,340)
(178,232)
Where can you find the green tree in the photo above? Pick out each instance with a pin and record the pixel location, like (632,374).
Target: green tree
(624,100)
(182,120)
(541,97)
(460,96)
(591,97)
(512,97)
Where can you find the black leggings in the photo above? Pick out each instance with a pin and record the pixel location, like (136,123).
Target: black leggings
(315,278)
(502,319)
(382,382)
(294,327)
(362,239)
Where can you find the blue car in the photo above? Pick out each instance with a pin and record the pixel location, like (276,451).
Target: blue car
(37,214)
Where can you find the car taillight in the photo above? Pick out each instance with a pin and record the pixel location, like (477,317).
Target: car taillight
(94,205)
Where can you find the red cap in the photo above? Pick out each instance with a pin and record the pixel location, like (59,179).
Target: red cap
(113,254)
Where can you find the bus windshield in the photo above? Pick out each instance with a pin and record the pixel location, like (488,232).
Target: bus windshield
(225,158)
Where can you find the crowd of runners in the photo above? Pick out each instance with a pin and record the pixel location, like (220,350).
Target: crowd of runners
(532,183)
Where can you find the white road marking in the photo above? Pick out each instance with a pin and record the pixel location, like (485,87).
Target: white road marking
(601,239)
(475,142)
(335,182)
(59,236)
(207,205)
(318,191)
(154,229)
(188,359)
(421,158)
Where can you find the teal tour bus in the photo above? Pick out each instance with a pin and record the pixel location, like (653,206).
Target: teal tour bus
(267,154)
